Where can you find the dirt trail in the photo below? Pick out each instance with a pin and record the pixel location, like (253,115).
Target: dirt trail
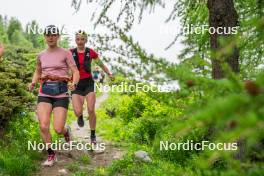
(68,160)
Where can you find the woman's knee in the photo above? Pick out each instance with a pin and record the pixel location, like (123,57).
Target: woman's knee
(59,130)
(44,127)
(78,112)
(91,110)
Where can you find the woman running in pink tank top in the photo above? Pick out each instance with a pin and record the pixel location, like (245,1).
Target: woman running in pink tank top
(52,70)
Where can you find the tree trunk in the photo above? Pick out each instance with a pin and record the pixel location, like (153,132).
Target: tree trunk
(222,13)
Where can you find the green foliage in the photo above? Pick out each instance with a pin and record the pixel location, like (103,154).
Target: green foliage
(17,38)
(15,158)
(3,33)
(133,108)
(17,126)
(12,33)
(214,111)
(31,34)
(13,91)
(13,25)
(64,42)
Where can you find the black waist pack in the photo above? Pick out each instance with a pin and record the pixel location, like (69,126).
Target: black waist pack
(54,88)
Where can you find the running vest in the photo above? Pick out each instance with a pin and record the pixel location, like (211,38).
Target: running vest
(87,59)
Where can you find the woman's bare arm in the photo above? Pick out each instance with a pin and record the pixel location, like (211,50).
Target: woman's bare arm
(36,76)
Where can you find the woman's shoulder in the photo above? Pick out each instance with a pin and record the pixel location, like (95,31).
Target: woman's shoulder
(41,53)
(62,49)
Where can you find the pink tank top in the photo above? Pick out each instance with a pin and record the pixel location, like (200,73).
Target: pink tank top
(55,63)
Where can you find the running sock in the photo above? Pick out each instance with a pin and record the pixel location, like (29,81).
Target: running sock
(92,133)
(50,151)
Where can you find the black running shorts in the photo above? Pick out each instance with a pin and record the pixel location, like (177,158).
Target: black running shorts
(55,102)
(84,87)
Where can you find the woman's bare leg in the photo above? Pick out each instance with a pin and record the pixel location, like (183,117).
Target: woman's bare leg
(43,113)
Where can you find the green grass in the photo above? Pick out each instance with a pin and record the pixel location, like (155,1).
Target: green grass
(85,159)
(80,173)
(73,167)
(15,158)
(15,161)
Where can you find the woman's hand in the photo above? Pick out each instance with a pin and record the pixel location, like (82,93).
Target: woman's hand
(71,86)
(31,86)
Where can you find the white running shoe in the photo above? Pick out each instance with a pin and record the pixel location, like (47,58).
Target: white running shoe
(50,161)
